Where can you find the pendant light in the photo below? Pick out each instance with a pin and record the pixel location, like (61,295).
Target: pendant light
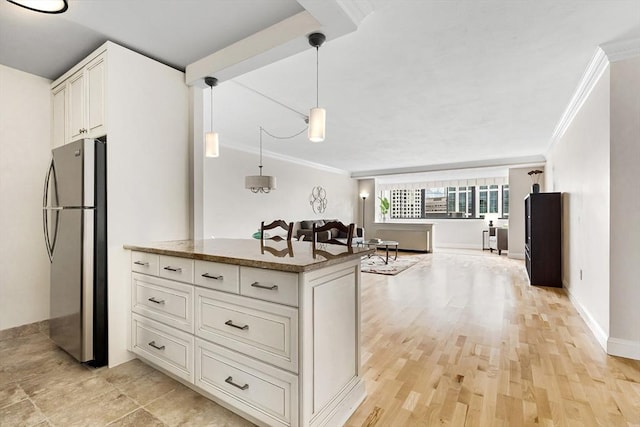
(43,6)
(317,115)
(260,183)
(211,145)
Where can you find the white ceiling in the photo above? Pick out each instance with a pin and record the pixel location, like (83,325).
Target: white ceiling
(421,83)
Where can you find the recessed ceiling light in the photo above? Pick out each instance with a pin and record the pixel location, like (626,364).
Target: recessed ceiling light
(44,6)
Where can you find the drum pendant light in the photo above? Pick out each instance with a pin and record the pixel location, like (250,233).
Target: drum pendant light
(211,145)
(317,115)
(260,183)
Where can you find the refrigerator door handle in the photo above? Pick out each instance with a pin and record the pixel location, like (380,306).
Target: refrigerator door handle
(45,221)
(45,210)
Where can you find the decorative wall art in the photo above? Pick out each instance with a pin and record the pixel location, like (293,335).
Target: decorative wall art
(318,199)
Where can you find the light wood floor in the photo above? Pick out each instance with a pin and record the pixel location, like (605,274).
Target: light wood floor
(461,339)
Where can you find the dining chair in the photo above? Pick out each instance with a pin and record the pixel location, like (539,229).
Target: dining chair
(288,227)
(339,234)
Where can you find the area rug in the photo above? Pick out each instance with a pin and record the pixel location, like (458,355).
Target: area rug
(376,265)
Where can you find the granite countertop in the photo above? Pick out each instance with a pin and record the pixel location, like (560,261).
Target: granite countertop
(282,255)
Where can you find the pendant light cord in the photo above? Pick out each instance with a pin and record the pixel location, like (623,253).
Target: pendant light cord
(317,77)
(260,166)
(263,130)
(283,137)
(211,126)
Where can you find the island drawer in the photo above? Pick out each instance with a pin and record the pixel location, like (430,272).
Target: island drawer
(163,300)
(265,392)
(269,285)
(218,276)
(176,268)
(143,262)
(166,347)
(260,329)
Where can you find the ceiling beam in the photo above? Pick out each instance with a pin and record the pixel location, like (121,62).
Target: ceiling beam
(288,37)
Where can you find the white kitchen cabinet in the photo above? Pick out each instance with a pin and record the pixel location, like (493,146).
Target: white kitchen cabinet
(76,115)
(78,103)
(59,122)
(163,300)
(95,120)
(166,347)
(260,329)
(283,353)
(262,391)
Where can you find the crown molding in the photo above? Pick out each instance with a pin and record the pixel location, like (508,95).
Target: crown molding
(598,64)
(290,159)
(621,50)
(505,162)
(604,55)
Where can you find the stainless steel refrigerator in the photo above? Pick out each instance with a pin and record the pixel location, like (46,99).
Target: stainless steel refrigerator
(75,234)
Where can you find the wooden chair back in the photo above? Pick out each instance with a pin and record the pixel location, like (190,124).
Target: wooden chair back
(337,225)
(275,224)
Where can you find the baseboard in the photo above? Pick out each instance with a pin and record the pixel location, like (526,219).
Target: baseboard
(457,246)
(596,329)
(623,348)
(24,330)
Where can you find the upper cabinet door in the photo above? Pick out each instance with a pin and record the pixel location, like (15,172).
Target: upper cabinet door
(95,75)
(59,129)
(77,104)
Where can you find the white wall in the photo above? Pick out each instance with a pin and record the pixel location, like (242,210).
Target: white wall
(24,158)
(148,171)
(578,166)
(625,209)
(519,186)
(232,211)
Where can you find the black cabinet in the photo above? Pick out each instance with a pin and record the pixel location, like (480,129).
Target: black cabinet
(542,240)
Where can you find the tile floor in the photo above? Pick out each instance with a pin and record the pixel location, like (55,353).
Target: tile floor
(41,385)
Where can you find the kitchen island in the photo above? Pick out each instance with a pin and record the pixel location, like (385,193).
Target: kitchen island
(270,330)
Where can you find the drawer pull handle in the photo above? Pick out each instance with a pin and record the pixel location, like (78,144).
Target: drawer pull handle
(229,380)
(146,264)
(230,323)
(258,285)
(209,276)
(156,301)
(157,347)
(176,269)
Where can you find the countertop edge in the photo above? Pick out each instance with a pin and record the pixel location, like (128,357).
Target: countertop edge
(249,263)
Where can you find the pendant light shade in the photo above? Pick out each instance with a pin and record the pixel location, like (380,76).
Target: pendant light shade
(43,6)
(317,115)
(260,183)
(211,148)
(211,144)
